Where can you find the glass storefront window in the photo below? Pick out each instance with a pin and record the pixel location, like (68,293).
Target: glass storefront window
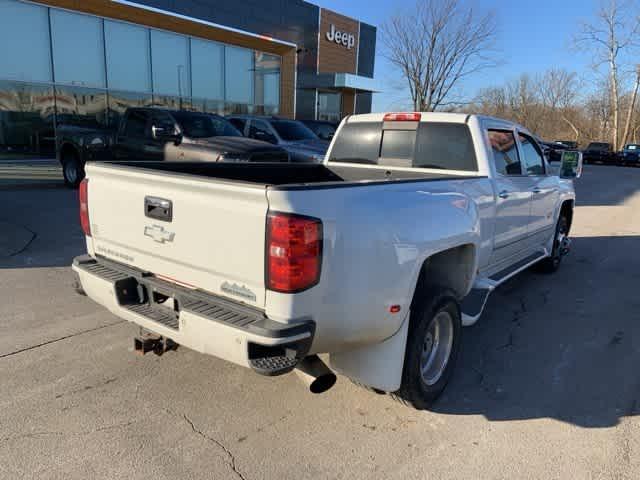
(238,109)
(170,64)
(26,26)
(128,57)
(83,70)
(329,104)
(267,79)
(26,119)
(171,102)
(238,75)
(207,69)
(271,110)
(120,101)
(78,49)
(208,106)
(81,107)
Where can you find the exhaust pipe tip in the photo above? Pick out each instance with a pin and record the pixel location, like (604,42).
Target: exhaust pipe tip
(323,383)
(315,374)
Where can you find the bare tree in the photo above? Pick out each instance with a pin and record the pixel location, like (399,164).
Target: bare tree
(436,46)
(524,104)
(614,31)
(632,106)
(558,92)
(493,101)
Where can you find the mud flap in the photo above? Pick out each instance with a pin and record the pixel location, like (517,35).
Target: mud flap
(378,365)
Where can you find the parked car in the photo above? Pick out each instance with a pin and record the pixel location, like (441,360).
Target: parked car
(630,154)
(600,152)
(294,136)
(567,143)
(377,257)
(553,151)
(324,130)
(151,134)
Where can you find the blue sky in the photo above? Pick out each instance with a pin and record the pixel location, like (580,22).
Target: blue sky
(532,37)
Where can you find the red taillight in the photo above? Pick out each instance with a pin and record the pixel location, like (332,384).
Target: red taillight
(294,252)
(84,207)
(402,117)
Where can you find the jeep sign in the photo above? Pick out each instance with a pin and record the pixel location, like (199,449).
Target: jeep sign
(341,38)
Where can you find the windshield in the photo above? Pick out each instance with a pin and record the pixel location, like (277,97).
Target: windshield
(292,131)
(204,126)
(633,147)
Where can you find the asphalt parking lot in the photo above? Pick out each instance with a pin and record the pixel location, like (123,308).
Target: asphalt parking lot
(547,386)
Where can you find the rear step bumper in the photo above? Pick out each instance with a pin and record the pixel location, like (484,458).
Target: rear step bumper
(201,321)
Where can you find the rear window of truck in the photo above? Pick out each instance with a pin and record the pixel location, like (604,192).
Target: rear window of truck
(446,146)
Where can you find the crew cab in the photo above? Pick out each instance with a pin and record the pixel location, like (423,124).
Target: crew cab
(377,257)
(157,134)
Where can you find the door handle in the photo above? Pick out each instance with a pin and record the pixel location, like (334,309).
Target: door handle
(158,208)
(503,194)
(537,190)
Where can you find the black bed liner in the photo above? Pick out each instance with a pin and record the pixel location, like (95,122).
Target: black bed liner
(293,176)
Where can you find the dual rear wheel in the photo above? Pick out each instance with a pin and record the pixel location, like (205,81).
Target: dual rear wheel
(432,349)
(435,329)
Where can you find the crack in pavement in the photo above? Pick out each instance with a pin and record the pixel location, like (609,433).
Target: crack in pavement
(25,242)
(232,458)
(49,342)
(66,434)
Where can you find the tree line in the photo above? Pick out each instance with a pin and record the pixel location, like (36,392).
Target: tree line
(439,44)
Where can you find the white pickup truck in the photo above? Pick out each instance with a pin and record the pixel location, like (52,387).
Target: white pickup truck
(377,257)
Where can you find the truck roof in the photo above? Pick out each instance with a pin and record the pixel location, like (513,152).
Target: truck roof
(441,117)
(424,117)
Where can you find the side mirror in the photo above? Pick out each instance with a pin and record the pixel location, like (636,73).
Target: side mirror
(166,135)
(571,164)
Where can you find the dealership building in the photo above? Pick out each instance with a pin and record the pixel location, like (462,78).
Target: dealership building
(83,62)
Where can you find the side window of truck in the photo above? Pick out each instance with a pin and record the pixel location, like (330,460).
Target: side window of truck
(445,146)
(533,158)
(239,123)
(259,130)
(135,124)
(505,152)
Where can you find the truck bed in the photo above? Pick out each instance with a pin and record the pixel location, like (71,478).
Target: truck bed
(290,175)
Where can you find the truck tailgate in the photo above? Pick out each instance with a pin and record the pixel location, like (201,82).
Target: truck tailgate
(213,238)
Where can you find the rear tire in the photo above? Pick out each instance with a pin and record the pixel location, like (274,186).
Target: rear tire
(72,169)
(552,264)
(432,349)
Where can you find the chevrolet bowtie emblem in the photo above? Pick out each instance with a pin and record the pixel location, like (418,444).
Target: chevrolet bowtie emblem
(159,234)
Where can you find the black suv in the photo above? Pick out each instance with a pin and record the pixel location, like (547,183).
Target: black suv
(599,152)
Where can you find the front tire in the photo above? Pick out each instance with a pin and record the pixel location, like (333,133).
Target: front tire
(432,349)
(72,170)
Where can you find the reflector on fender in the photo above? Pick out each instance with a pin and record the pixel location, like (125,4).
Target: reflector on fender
(293,251)
(403,117)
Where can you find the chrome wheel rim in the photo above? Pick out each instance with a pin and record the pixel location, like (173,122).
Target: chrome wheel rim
(436,348)
(561,238)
